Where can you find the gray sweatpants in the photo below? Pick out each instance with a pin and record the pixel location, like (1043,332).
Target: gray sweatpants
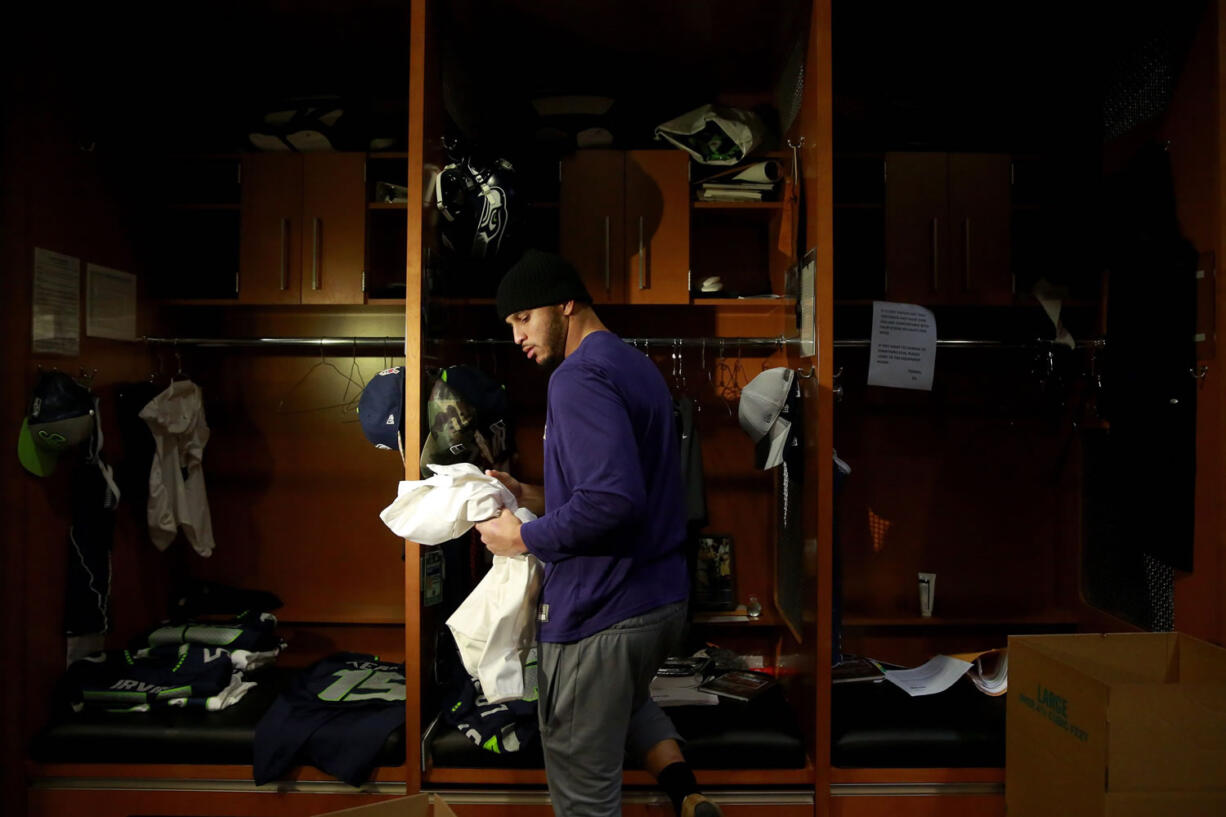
(595,706)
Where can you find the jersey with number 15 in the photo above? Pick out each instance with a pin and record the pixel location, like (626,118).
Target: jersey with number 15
(336,714)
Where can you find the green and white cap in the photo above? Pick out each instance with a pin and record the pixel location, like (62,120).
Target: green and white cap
(61,416)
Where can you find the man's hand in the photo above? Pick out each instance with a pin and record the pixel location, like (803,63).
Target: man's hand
(528,496)
(512,484)
(501,534)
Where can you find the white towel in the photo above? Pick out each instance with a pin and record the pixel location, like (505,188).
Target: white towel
(496,625)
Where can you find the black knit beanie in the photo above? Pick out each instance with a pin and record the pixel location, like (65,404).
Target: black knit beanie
(539,279)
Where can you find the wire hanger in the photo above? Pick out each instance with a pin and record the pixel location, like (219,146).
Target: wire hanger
(179,373)
(319,364)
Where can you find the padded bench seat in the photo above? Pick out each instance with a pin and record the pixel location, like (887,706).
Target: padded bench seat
(761,734)
(175,735)
(877,725)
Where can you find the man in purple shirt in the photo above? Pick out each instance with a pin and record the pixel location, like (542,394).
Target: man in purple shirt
(612,521)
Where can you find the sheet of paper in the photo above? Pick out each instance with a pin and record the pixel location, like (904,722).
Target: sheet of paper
(936,675)
(681,691)
(1050,297)
(903,346)
(56,315)
(808,305)
(110,303)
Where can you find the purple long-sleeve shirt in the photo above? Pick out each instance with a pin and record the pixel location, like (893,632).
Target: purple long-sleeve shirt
(611,537)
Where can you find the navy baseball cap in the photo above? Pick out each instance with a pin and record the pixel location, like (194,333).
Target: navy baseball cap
(61,416)
(381,410)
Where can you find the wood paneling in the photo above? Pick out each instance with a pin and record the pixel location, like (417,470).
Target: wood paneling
(1195,127)
(817,172)
(592,224)
(657,227)
(333,228)
(270,248)
(136,803)
(965,805)
(295,489)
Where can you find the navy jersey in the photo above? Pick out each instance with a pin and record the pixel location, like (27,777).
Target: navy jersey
(170,675)
(336,715)
(503,727)
(251,640)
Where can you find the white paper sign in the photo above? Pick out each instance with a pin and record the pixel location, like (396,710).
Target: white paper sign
(56,309)
(903,348)
(808,305)
(110,303)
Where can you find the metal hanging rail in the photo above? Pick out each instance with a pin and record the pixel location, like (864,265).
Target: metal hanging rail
(1092,343)
(344,343)
(270,343)
(726,343)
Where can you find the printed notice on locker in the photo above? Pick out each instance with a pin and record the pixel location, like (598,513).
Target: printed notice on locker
(903,348)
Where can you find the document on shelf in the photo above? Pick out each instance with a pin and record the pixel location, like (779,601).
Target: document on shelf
(903,346)
(935,675)
(681,691)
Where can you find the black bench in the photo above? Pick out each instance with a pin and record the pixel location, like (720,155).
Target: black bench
(877,725)
(189,736)
(761,734)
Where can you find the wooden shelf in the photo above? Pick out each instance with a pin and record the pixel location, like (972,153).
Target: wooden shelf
(752,302)
(737,205)
(734,618)
(197,207)
(197,301)
(1055,619)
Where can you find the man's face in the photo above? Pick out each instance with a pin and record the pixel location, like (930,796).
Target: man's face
(541,333)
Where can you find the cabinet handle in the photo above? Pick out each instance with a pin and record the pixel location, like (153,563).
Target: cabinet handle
(966,250)
(642,258)
(607,283)
(315,255)
(284,254)
(936,258)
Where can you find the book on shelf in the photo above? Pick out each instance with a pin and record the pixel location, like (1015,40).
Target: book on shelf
(729,195)
(853,670)
(739,685)
(764,187)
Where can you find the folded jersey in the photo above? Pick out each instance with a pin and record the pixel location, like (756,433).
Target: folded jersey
(187,675)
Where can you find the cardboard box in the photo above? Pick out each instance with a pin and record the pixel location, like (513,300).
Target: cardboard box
(415,805)
(1124,724)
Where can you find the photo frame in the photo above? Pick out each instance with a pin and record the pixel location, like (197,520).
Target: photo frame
(714,574)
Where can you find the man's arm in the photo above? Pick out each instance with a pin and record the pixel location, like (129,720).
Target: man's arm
(528,496)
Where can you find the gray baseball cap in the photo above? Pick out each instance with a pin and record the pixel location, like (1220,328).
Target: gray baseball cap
(760,414)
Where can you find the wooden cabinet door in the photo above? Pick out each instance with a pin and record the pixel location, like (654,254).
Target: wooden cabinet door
(592,221)
(657,253)
(916,227)
(333,228)
(270,222)
(979,215)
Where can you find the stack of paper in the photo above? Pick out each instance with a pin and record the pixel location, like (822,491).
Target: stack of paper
(988,671)
(756,181)
(680,690)
(733,191)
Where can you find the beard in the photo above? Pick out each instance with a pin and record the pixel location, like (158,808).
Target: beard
(554,345)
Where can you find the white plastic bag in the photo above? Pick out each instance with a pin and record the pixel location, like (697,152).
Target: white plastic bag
(496,625)
(714,134)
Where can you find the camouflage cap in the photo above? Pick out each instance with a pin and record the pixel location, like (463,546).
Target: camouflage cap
(467,421)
